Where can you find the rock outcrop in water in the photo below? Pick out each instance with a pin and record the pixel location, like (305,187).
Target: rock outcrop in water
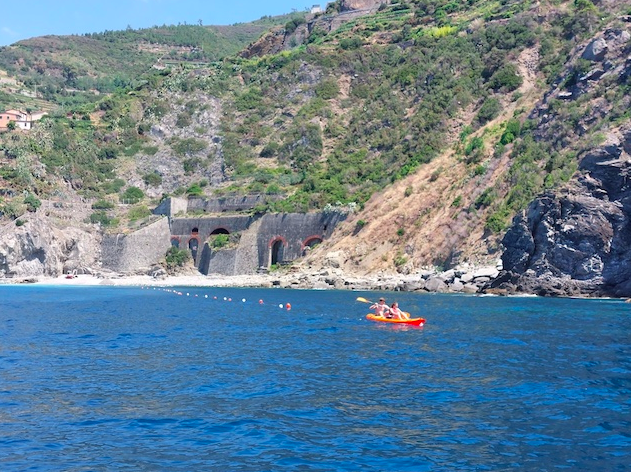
(576,242)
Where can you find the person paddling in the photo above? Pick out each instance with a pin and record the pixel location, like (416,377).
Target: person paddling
(397,313)
(381,309)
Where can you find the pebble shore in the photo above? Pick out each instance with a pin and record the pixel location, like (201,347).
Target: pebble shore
(467,280)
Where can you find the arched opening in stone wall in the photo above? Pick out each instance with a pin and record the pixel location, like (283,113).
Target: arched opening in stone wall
(195,231)
(220,231)
(310,242)
(175,242)
(193,246)
(277,251)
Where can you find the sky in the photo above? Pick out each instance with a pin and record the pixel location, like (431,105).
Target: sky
(62,17)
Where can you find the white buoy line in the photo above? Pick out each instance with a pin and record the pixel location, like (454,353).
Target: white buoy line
(286,306)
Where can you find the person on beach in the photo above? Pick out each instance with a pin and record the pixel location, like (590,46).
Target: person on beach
(381,309)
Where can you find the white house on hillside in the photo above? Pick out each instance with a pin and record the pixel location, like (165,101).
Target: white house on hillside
(22,120)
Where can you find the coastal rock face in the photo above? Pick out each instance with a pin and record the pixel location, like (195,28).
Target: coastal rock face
(576,242)
(38,248)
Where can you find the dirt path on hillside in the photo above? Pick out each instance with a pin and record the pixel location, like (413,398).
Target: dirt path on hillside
(429,218)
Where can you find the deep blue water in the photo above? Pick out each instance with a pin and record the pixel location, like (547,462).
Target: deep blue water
(95,379)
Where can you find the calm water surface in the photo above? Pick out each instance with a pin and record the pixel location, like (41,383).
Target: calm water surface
(96,379)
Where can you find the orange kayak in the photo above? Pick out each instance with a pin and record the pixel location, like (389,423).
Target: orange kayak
(411,321)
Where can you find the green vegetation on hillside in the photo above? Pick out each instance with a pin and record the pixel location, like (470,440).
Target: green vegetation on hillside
(335,119)
(63,69)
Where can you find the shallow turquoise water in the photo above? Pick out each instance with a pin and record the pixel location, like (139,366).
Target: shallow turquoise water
(135,379)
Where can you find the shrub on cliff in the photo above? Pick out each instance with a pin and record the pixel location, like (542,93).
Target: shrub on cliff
(102,205)
(291,25)
(138,212)
(176,257)
(152,179)
(32,202)
(133,195)
(220,240)
(100,217)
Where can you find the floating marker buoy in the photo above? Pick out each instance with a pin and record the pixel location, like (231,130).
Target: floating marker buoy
(243,300)
(260,301)
(229,299)
(205,296)
(288,306)
(280,306)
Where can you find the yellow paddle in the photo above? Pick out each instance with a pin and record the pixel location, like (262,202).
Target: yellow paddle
(362,299)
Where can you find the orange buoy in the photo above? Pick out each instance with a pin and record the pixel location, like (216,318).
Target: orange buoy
(288,306)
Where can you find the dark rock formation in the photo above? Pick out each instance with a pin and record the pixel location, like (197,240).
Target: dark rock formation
(578,241)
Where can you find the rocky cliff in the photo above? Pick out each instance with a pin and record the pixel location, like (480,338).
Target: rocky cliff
(576,241)
(40,248)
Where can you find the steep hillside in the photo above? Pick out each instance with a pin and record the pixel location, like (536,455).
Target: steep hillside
(430,122)
(55,67)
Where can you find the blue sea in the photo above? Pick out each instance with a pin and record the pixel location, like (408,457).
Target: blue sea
(211,379)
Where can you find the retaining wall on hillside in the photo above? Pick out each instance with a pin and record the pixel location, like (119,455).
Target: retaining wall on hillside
(227,204)
(266,240)
(136,251)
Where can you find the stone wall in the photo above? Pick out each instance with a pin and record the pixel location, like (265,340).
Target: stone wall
(273,238)
(228,204)
(202,227)
(233,203)
(294,231)
(138,251)
(171,207)
(218,262)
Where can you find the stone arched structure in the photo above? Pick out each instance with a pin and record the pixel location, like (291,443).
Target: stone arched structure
(277,247)
(193,246)
(310,242)
(259,241)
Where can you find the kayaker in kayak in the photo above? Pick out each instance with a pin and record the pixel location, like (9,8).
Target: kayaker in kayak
(381,309)
(397,313)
